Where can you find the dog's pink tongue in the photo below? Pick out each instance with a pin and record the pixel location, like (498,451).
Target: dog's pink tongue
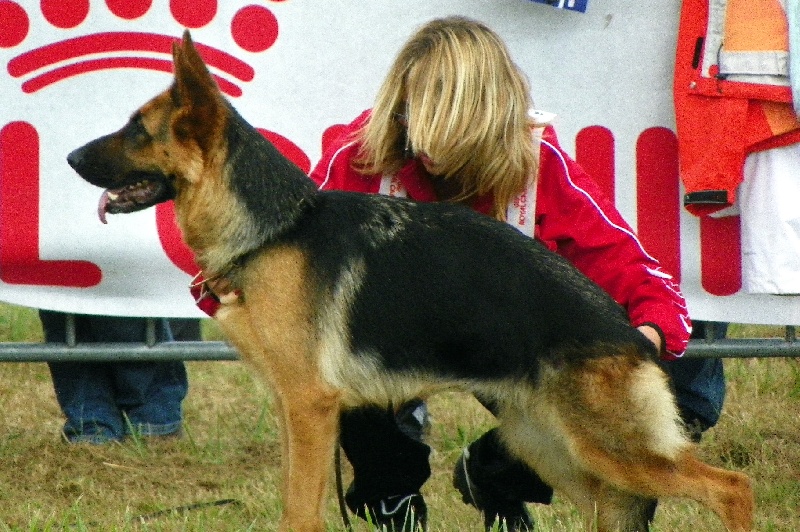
(101,207)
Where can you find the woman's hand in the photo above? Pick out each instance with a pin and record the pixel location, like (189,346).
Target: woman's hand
(651,335)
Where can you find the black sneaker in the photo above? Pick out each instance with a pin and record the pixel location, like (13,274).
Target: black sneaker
(510,514)
(399,513)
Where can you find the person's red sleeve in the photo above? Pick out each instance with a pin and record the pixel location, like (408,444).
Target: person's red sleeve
(579,223)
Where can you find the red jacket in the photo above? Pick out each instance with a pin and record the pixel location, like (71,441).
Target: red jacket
(572,218)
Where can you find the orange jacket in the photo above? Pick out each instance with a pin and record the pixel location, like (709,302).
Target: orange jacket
(729,100)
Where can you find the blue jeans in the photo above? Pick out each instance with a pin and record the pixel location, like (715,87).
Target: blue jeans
(699,382)
(105,401)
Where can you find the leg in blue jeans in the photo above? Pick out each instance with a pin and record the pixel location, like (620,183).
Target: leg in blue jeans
(150,395)
(87,401)
(103,401)
(699,382)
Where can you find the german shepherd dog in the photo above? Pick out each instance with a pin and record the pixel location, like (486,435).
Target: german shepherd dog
(345,299)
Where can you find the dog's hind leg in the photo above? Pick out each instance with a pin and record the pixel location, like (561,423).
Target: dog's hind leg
(728,493)
(609,427)
(648,453)
(603,507)
(622,428)
(539,441)
(620,511)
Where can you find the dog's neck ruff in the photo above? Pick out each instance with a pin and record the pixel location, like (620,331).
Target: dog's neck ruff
(274,192)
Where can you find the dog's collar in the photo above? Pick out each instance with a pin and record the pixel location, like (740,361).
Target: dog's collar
(205,298)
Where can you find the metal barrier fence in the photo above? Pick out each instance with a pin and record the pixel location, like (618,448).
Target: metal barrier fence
(151,350)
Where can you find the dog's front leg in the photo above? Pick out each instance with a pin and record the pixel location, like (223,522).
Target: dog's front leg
(310,424)
(308,412)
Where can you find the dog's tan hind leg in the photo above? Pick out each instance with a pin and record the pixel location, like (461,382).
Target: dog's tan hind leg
(542,446)
(728,493)
(648,455)
(609,427)
(616,510)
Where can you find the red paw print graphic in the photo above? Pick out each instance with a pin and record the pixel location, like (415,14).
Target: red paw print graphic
(60,40)
(253,28)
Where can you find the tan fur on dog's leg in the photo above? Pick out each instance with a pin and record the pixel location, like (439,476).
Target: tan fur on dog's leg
(278,303)
(657,460)
(614,420)
(728,493)
(312,423)
(620,511)
(309,419)
(234,322)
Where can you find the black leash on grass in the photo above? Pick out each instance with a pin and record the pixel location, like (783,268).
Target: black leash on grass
(337,458)
(142,519)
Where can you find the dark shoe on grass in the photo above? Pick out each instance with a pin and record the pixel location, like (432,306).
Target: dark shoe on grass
(399,513)
(498,513)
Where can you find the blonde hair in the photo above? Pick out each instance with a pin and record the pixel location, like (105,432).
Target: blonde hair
(464,103)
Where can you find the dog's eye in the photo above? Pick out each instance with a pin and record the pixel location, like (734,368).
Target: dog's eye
(136,132)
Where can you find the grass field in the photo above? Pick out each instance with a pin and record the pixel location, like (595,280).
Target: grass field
(222,475)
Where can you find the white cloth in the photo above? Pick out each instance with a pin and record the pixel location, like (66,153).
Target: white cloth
(793,14)
(769,199)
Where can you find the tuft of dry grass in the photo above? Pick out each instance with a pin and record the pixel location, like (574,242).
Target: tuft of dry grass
(223,474)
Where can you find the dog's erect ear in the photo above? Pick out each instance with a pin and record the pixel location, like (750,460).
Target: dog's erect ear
(194,91)
(192,78)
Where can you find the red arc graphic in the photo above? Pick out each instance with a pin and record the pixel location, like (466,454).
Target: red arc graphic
(109,42)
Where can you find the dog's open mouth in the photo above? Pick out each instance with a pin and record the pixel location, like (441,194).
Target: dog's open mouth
(146,191)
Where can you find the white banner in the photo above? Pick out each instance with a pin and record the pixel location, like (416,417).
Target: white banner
(76,70)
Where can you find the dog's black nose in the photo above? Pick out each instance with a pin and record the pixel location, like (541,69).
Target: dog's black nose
(74,158)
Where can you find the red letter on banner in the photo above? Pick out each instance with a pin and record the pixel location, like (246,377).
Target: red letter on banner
(594,151)
(658,197)
(19,218)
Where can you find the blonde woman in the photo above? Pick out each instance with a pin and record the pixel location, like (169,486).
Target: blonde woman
(453,122)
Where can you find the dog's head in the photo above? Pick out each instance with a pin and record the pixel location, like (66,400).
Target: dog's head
(163,147)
